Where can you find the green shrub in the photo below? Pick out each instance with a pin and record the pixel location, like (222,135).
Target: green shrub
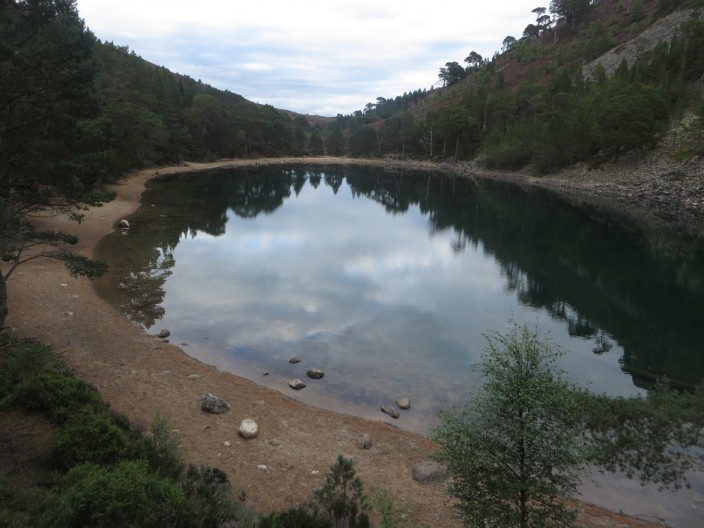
(89,437)
(508,155)
(390,515)
(19,505)
(342,496)
(130,494)
(115,475)
(298,517)
(58,395)
(512,450)
(209,499)
(162,449)
(125,495)
(637,11)
(21,359)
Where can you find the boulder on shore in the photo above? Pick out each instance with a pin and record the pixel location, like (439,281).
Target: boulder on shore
(429,472)
(214,404)
(364,441)
(248,429)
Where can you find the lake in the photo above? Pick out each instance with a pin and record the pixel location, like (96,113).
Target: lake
(390,281)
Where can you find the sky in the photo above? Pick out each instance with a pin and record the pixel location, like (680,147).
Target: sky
(318,57)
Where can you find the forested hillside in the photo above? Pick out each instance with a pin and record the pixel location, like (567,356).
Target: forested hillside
(535,103)
(73,104)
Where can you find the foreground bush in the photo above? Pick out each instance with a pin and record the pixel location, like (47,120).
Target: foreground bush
(297,517)
(340,502)
(91,438)
(127,494)
(109,474)
(57,395)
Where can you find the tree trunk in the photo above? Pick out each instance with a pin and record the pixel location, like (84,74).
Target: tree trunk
(431,141)
(3,301)
(523,500)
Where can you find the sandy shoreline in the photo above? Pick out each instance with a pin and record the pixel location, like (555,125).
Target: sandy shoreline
(142,376)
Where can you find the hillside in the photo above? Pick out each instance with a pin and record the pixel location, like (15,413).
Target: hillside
(557,96)
(662,30)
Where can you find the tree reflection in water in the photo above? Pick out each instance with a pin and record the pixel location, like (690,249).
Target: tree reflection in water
(607,282)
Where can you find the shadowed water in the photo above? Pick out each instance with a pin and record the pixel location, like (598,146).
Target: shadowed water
(389,281)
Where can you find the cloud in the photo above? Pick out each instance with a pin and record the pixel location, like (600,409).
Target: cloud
(318,57)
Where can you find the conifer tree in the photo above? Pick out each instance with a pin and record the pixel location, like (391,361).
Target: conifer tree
(47,120)
(512,450)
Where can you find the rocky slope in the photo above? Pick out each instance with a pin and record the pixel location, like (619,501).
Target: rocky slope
(662,30)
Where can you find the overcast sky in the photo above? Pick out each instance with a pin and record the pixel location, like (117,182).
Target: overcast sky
(312,56)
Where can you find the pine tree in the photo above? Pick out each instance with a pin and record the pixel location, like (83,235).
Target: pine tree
(512,450)
(47,113)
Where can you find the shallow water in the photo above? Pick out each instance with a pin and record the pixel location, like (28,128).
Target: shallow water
(389,282)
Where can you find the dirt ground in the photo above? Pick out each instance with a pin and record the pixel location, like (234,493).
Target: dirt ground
(142,376)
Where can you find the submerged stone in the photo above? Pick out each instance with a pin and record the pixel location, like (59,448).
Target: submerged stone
(315,374)
(403,403)
(390,410)
(296,384)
